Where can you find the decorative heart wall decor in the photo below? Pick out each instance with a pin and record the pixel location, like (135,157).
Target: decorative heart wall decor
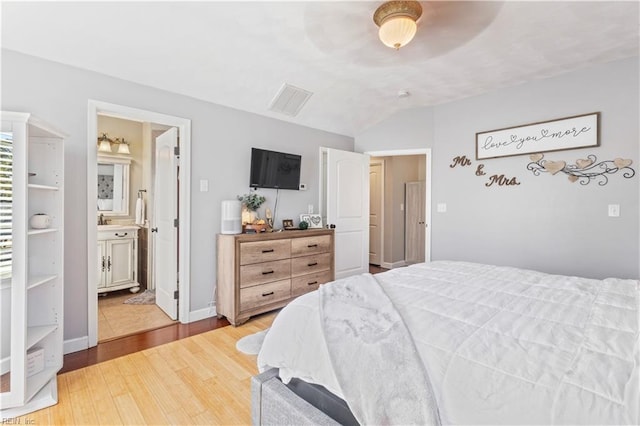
(585,170)
(583,164)
(621,163)
(554,167)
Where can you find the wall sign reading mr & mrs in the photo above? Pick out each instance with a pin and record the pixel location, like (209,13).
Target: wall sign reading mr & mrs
(565,133)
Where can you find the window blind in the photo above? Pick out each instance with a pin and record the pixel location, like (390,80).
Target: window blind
(6,200)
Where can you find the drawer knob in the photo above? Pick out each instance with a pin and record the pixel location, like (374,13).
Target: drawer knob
(312,283)
(312,245)
(312,264)
(267,272)
(268,251)
(123,235)
(267,294)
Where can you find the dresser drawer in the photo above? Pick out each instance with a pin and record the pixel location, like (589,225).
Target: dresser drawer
(266,272)
(310,264)
(263,251)
(259,295)
(306,283)
(310,245)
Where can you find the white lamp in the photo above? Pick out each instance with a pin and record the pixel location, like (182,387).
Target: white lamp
(397,22)
(123,146)
(104,143)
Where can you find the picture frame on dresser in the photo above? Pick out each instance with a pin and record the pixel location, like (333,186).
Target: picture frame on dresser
(287,223)
(314,221)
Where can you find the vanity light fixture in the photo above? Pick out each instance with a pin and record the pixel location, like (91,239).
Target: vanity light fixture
(397,22)
(104,143)
(123,146)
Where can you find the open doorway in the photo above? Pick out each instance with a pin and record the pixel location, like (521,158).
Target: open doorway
(124,243)
(399,207)
(127,174)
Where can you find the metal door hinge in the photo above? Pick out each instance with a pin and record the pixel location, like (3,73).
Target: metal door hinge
(175,294)
(176,151)
(175,223)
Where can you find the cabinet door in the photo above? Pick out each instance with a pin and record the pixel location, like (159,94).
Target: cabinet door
(102,264)
(119,262)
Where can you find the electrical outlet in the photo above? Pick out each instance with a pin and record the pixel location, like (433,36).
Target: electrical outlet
(441,208)
(310,209)
(204,185)
(614,210)
(302,187)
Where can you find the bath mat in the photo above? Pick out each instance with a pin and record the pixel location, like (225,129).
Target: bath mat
(147,297)
(252,343)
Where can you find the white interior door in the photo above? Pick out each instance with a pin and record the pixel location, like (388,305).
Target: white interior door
(414,226)
(165,234)
(375,213)
(347,207)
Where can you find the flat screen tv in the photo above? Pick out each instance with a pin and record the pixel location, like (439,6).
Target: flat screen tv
(271,169)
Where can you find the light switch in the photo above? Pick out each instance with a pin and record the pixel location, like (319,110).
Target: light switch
(614,210)
(204,185)
(310,209)
(401,207)
(442,208)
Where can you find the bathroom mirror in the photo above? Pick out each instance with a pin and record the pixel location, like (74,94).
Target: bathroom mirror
(113,185)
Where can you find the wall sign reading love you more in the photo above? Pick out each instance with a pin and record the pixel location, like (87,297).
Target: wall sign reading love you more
(565,133)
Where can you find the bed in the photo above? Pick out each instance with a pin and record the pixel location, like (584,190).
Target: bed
(454,343)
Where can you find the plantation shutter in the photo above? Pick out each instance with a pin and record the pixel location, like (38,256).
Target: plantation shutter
(6,199)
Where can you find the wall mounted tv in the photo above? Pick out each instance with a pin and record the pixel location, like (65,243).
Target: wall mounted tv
(271,169)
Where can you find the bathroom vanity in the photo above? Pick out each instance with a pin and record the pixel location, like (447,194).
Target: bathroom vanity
(118,258)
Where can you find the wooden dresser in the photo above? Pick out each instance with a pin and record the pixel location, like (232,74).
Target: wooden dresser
(261,272)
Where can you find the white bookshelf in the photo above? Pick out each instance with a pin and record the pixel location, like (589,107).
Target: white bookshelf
(32,296)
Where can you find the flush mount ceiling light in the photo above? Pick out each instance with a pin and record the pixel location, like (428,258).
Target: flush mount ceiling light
(397,22)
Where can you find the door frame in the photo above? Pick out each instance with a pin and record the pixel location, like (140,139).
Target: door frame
(427,187)
(184,256)
(382,184)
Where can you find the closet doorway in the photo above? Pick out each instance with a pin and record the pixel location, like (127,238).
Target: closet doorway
(400,207)
(135,230)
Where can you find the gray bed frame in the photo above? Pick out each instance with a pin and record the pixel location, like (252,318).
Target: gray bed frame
(272,403)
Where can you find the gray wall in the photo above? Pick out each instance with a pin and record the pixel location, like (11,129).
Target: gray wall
(221,142)
(546,223)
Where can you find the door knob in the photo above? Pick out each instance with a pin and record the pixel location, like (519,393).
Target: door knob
(154,229)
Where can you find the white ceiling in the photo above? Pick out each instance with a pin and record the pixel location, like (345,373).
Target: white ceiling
(239,54)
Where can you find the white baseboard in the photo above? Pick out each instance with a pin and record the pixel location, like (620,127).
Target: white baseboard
(398,264)
(75,345)
(201,314)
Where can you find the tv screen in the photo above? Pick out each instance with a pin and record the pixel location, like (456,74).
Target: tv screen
(271,169)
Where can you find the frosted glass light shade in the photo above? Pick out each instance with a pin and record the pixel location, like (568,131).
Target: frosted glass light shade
(397,32)
(123,148)
(104,146)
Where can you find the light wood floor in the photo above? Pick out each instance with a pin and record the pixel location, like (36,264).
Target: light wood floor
(117,319)
(201,379)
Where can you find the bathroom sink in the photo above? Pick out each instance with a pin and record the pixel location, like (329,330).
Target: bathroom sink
(115,227)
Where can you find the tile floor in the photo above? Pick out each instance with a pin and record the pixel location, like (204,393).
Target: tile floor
(117,319)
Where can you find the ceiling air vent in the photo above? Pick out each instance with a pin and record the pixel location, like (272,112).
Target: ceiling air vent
(289,100)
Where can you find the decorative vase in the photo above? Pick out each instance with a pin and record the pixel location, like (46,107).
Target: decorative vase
(248,216)
(40,221)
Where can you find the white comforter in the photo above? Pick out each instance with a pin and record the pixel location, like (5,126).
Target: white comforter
(500,345)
